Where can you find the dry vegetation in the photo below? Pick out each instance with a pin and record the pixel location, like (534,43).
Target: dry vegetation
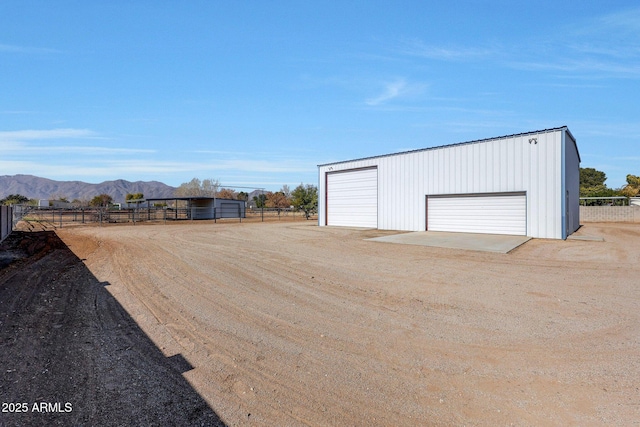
(293,324)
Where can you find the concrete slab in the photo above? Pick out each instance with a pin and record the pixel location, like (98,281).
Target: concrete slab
(470,241)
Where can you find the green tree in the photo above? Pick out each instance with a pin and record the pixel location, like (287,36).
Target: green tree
(261,200)
(305,198)
(102,200)
(590,177)
(632,188)
(14,199)
(592,184)
(134,196)
(243,196)
(598,191)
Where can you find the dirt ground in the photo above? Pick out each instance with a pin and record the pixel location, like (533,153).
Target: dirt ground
(293,324)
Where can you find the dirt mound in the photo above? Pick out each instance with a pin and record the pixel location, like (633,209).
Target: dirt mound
(72,355)
(20,245)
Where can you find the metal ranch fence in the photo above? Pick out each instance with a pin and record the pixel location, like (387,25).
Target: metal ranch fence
(77,216)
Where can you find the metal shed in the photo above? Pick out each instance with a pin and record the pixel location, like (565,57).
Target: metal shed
(522,184)
(201,207)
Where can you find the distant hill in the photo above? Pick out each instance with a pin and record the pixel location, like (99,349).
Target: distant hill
(35,187)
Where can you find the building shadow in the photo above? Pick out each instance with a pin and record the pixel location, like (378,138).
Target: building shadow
(70,354)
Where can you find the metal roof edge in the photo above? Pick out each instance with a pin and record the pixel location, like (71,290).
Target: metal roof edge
(475,141)
(181,198)
(191,198)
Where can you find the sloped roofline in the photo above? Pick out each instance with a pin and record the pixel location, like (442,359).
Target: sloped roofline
(565,128)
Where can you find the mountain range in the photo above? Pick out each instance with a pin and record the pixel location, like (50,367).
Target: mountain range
(35,187)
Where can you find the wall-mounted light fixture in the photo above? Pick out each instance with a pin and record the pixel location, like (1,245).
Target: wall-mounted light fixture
(534,140)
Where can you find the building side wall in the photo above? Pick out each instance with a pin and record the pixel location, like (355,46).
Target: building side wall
(500,165)
(572,183)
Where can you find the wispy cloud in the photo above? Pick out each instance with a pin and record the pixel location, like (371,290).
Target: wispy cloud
(603,47)
(608,50)
(110,163)
(582,66)
(627,21)
(395,89)
(45,141)
(68,149)
(55,142)
(26,49)
(103,169)
(15,112)
(274,166)
(26,135)
(418,48)
(611,130)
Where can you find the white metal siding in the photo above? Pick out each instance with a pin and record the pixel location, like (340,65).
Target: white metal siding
(352,198)
(493,214)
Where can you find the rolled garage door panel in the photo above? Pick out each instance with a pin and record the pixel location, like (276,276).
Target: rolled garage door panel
(352,198)
(504,213)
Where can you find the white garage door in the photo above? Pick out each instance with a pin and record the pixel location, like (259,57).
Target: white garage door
(352,198)
(504,213)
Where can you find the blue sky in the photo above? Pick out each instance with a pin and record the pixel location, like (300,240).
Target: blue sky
(259,93)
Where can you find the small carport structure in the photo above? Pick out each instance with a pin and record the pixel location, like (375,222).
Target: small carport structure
(200,207)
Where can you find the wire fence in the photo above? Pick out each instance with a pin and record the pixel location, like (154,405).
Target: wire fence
(60,217)
(605,201)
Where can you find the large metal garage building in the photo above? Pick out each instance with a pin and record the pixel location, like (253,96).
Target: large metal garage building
(525,184)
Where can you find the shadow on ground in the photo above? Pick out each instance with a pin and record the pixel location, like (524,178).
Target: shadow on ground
(71,355)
